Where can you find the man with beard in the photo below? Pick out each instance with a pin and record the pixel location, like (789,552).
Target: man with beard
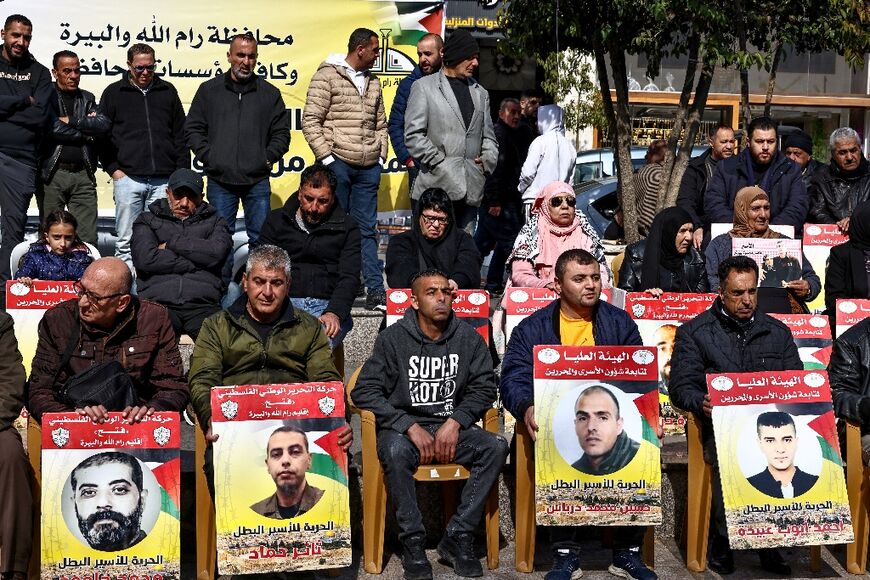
(109,500)
(238,129)
(323,242)
(664,338)
(761,164)
(838,187)
(287,461)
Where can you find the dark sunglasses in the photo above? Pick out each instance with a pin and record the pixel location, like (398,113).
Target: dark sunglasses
(142,68)
(569,199)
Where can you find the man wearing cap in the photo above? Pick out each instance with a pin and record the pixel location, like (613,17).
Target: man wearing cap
(836,188)
(449,132)
(799,148)
(179,247)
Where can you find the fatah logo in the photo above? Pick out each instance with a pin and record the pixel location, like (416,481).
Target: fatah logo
(398,296)
(161,436)
(19,289)
(60,436)
(229,409)
(548,355)
(477,298)
(519,296)
(814,380)
(642,357)
(327,405)
(638,310)
(814,230)
(818,322)
(847,307)
(722,383)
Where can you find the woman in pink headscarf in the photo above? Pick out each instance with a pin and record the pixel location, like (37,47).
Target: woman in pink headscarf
(554,227)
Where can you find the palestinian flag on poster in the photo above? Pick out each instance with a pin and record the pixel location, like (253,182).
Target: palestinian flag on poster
(409,21)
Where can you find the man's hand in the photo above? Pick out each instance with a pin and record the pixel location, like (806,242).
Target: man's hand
(25,280)
(654,292)
(707,406)
(424,442)
(64,119)
(136,414)
(31,100)
(550,286)
(209,436)
(697,238)
(345,438)
(531,425)
(843,224)
(479,162)
(96,413)
(118,174)
(494,210)
(800,288)
(453,285)
(161,246)
(446,439)
(331,324)
(410,163)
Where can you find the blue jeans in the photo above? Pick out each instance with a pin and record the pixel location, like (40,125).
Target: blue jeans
(357,193)
(255,200)
(133,194)
(315,307)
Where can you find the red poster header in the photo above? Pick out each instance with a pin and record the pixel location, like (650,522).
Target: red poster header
(466,303)
(676,306)
(621,363)
(850,312)
(41,295)
(769,387)
(806,325)
(824,235)
(288,401)
(525,301)
(73,431)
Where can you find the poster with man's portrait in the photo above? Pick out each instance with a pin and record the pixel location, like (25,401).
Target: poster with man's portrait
(597,456)
(657,319)
(280,477)
(110,497)
(779,260)
(779,459)
(812,336)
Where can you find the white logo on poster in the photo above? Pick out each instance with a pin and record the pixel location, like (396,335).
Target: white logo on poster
(638,310)
(477,298)
(814,380)
(519,296)
(548,355)
(814,230)
(327,405)
(398,296)
(60,436)
(848,307)
(229,409)
(19,289)
(818,322)
(722,383)
(161,436)
(642,357)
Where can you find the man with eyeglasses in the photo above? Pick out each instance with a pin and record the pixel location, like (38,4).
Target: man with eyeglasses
(25,112)
(107,323)
(69,158)
(146,143)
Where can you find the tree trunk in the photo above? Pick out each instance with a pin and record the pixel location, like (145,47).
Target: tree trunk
(771,79)
(622,142)
(745,111)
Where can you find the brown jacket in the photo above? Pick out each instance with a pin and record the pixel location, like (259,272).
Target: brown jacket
(269,506)
(143,341)
(338,121)
(11,374)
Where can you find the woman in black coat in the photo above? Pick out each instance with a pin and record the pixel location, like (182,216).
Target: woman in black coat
(848,273)
(434,241)
(666,261)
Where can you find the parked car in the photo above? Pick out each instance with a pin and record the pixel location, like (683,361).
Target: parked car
(599,163)
(598,200)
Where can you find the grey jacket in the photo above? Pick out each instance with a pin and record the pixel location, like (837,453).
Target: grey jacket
(436,136)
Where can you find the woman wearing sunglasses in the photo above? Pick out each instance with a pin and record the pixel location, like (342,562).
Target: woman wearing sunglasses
(555,225)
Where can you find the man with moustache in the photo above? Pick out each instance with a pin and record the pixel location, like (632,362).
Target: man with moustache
(599,427)
(109,499)
(26,110)
(323,243)
(428,61)
(287,461)
(238,129)
(836,188)
(69,155)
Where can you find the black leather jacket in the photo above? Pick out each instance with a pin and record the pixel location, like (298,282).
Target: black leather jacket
(849,374)
(694,272)
(833,196)
(81,130)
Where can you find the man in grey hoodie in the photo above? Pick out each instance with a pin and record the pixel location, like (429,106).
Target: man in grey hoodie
(428,380)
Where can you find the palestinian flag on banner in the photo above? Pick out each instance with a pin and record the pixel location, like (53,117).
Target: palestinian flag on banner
(165,465)
(410,20)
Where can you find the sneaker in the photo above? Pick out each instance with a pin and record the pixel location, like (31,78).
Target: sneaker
(458,550)
(376,300)
(629,564)
(566,565)
(414,560)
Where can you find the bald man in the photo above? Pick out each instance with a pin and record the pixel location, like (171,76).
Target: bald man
(106,323)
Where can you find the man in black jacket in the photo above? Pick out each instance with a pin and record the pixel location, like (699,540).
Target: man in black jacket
(838,187)
(179,247)
(731,337)
(698,173)
(69,158)
(849,376)
(238,129)
(324,247)
(25,114)
(799,148)
(428,380)
(146,142)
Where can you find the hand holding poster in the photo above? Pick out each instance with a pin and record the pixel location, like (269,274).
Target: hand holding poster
(110,497)
(597,459)
(779,459)
(281,496)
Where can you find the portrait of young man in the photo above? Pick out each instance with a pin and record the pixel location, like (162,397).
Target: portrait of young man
(778,441)
(606,446)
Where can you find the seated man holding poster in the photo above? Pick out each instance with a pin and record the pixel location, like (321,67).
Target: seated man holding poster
(287,461)
(427,381)
(777,438)
(579,318)
(732,336)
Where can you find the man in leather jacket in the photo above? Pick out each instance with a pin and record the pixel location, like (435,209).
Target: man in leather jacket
(849,376)
(838,187)
(69,158)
